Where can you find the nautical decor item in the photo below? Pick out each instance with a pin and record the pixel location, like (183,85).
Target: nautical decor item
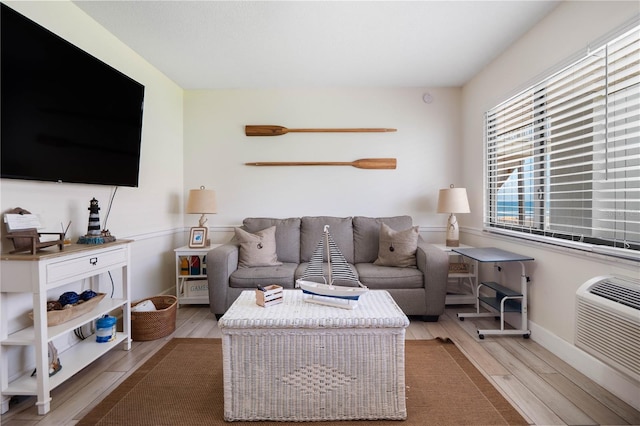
(363,163)
(338,269)
(68,298)
(54,361)
(269,295)
(270,130)
(94,235)
(105,329)
(22,230)
(94,218)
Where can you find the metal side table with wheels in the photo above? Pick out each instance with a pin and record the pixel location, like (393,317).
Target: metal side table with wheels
(505,299)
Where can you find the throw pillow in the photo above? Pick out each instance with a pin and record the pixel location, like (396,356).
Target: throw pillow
(258,249)
(397,248)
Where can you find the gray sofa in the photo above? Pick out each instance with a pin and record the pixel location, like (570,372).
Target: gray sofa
(418,290)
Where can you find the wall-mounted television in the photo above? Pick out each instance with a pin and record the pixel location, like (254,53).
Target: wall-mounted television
(66,116)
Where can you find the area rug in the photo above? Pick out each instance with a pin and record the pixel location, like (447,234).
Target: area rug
(182,385)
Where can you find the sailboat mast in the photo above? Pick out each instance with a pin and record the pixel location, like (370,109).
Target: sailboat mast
(326,236)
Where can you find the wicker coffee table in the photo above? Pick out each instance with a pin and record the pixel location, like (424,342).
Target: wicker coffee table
(299,361)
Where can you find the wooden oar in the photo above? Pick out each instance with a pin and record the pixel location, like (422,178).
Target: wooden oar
(268,130)
(364,163)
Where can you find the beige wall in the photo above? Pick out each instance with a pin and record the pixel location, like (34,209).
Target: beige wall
(426,146)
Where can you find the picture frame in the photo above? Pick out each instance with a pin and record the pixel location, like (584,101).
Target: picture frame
(198,237)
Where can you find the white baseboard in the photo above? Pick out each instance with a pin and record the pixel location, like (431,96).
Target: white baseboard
(609,378)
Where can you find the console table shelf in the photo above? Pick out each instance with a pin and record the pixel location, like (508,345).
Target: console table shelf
(39,273)
(505,299)
(74,360)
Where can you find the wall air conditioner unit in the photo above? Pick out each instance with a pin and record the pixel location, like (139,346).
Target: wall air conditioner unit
(608,322)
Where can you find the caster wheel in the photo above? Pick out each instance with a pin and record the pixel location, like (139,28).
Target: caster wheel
(461,318)
(481,336)
(526,336)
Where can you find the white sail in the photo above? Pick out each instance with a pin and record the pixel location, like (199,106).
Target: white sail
(339,268)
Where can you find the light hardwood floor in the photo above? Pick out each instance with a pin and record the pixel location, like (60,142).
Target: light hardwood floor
(546,390)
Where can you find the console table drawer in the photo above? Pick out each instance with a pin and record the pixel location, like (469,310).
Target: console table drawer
(83,266)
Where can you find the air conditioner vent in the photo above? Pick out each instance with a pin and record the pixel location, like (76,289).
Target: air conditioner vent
(618,290)
(608,322)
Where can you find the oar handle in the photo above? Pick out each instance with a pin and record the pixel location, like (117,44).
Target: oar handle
(355,130)
(299,163)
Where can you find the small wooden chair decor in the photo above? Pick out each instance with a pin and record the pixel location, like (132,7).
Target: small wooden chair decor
(25,236)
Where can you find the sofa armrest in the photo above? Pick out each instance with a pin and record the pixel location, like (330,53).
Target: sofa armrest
(434,264)
(222,261)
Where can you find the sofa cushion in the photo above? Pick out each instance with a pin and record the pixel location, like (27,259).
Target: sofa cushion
(385,277)
(311,232)
(366,235)
(250,278)
(287,235)
(397,248)
(257,249)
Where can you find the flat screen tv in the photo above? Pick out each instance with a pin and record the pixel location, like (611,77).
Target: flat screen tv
(65,115)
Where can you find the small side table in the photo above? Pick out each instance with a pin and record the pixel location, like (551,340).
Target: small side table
(463,277)
(192,286)
(505,299)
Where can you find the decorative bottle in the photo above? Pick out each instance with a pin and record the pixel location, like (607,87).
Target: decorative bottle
(195,265)
(184,265)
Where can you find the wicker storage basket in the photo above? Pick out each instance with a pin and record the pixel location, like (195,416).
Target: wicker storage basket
(153,325)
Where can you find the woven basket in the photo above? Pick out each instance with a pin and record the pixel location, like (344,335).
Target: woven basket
(64,315)
(153,325)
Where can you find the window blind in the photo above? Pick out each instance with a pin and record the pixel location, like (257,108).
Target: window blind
(563,156)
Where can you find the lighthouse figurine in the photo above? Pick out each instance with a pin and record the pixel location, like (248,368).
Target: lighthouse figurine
(94,234)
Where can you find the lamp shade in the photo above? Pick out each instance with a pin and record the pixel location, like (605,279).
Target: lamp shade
(202,201)
(453,200)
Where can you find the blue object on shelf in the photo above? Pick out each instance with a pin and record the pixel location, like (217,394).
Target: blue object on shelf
(69,298)
(88,294)
(105,329)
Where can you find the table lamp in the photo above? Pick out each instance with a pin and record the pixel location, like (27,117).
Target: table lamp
(202,201)
(453,200)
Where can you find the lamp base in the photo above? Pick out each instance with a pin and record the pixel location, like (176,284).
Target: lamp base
(453,234)
(453,243)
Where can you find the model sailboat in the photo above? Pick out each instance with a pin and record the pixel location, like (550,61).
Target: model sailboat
(338,269)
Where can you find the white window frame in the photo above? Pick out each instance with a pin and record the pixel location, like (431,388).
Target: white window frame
(562,158)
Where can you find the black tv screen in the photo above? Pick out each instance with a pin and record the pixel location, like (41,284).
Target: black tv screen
(65,115)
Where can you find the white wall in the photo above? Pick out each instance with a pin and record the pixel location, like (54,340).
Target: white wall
(556,273)
(425,145)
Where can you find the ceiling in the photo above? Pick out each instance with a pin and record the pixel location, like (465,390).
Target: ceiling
(312,44)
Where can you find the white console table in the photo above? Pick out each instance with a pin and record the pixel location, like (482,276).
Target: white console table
(45,271)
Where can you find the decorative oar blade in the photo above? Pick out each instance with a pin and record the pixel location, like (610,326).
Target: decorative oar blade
(270,130)
(375,163)
(364,163)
